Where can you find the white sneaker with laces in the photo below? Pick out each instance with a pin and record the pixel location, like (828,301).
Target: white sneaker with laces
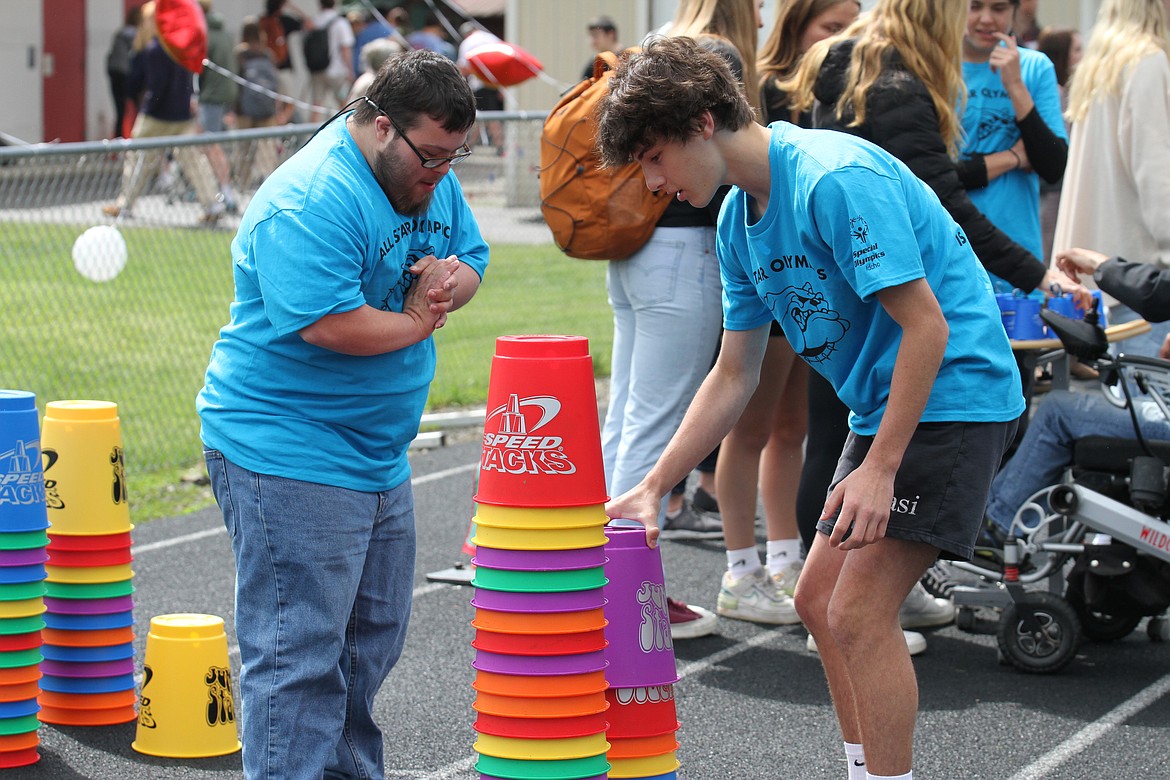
(922,610)
(915,642)
(755,597)
(785,579)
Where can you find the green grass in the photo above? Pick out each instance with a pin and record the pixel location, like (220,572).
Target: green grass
(143,339)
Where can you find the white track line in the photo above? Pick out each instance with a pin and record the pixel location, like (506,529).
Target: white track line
(1083,739)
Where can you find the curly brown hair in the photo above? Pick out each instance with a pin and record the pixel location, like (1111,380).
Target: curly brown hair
(659,95)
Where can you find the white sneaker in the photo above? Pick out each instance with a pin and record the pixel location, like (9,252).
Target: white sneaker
(688,621)
(785,579)
(755,597)
(922,610)
(915,642)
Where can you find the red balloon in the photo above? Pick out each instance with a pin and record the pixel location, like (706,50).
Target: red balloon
(503,64)
(182,30)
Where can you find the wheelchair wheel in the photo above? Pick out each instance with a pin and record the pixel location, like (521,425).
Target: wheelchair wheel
(1048,649)
(1098,626)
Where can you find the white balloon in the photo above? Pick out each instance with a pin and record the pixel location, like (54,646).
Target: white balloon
(99,254)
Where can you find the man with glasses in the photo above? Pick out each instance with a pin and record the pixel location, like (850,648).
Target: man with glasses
(347,259)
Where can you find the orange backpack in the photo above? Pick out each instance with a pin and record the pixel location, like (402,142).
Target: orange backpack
(594,213)
(277,43)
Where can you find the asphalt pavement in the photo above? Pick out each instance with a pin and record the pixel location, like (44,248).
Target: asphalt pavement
(752,700)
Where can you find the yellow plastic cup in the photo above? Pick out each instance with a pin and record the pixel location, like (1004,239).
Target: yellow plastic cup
(541,749)
(187,708)
(541,519)
(88,575)
(22,608)
(649,766)
(85,474)
(530,539)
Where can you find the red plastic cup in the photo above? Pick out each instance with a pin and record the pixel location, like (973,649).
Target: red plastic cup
(15,758)
(552,707)
(522,687)
(89,542)
(541,440)
(641,712)
(640,651)
(539,622)
(540,728)
(26,641)
(76,558)
(540,644)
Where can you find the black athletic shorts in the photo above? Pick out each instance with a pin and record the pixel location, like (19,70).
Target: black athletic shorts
(940,490)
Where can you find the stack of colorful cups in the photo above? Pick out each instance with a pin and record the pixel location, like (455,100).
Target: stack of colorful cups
(89,635)
(23,524)
(641,668)
(540,567)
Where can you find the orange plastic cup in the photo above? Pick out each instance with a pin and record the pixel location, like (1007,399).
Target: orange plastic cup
(19,691)
(524,687)
(539,622)
(101,637)
(88,701)
(541,439)
(22,741)
(62,717)
(552,707)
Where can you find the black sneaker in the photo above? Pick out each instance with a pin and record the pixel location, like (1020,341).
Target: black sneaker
(689,524)
(939,580)
(703,501)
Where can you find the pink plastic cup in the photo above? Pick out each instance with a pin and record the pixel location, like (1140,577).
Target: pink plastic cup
(640,651)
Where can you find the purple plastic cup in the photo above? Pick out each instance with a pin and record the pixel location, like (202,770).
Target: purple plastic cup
(540,560)
(29,557)
(566,601)
(88,670)
(539,666)
(89,606)
(640,651)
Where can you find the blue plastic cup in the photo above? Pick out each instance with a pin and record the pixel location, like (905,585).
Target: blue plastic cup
(22,477)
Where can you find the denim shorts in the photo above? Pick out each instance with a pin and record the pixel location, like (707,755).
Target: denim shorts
(940,490)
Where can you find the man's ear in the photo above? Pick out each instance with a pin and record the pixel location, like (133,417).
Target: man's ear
(707,124)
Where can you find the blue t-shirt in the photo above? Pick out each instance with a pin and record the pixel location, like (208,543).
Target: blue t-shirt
(321,238)
(845,219)
(1011,201)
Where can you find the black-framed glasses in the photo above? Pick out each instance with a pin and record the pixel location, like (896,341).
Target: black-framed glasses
(461,154)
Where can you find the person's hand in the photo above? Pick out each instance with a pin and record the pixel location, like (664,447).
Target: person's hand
(1005,60)
(1021,154)
(1164,350)
(862,503)
(638,504)
(1056,283)
(430,297)
(1078,261)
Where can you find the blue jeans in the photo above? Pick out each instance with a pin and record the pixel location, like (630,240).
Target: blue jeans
(324,577)
(1046,449)
(667,315)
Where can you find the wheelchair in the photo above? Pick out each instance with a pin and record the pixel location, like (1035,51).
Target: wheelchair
(1088,557)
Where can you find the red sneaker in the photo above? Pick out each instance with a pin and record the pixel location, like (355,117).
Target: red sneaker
(689,622)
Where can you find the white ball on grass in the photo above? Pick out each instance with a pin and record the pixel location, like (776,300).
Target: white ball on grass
(99,254)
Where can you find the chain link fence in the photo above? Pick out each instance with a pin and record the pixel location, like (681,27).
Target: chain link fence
(142,339)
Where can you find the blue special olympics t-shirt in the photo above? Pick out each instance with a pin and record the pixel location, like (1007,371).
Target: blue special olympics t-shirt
(323,239)
(1010,201)
(844,221)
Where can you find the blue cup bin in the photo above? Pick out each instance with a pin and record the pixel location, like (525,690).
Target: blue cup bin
(1027,325)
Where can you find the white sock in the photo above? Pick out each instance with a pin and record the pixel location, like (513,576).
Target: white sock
(781,553)
(908,776)
(741,563)
(855,757)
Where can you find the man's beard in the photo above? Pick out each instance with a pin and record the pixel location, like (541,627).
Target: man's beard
(393,176)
